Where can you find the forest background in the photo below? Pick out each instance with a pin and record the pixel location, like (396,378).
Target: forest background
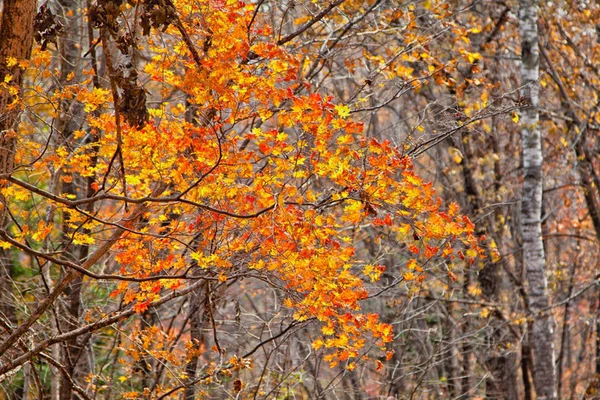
(299,199)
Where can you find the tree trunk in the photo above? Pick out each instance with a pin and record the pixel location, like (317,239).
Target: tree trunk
(16,39)
(198,320)
(542,332)
(71,118)
(526,367)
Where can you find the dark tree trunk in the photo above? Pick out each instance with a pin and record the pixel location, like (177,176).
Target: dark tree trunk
(198,319)
(16,39)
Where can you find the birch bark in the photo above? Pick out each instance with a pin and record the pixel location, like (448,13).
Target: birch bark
(542,332)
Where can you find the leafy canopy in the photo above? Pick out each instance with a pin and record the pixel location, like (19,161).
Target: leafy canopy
(245,172)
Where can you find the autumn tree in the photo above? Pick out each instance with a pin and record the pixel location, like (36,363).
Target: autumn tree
(179,161)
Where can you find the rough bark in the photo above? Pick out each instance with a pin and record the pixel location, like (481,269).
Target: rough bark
(526,368)
(198,319)
(542,332)
(16,38)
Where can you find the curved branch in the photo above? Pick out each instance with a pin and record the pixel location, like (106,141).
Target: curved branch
(310,23)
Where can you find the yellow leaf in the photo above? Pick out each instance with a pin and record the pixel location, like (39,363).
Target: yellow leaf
(484,98)
(409,276)
(80,238)
(473,57)
(515,117)
(474,290)
(495,255)
(156,112)
(196,256)
(564,142)
(11,62)
(327,330)
(342,110)
(455,154)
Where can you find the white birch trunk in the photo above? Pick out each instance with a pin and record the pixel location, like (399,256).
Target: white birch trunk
(542,334)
